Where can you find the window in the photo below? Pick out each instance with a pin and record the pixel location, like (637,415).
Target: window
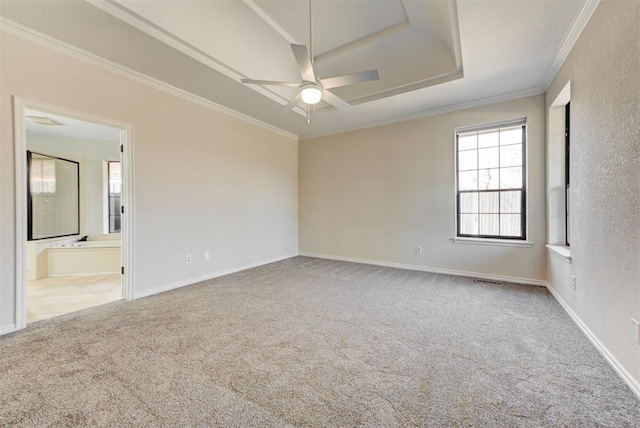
(558,174)
(53,201)
(567,187)
(114,187)
(491,194)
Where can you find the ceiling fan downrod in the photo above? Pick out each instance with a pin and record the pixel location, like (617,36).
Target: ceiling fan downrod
(311,59)
(312,89)
(311,32)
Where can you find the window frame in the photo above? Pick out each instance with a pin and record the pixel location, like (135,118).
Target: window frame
(567,174)
(108,195)
(522,238)
(30,196)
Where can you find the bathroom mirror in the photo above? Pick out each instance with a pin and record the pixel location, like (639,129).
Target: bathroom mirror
(53,197)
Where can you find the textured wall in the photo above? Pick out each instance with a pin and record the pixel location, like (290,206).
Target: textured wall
(202,180)
(376,193)
(605,179)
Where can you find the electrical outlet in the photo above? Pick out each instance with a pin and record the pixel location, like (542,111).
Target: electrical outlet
(636,331)
(188,258)
(418,249)
(206,255)
(573,282)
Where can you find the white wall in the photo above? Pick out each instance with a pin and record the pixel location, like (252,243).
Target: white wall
(203,180)
(376,193)
(90,154)
(605,181)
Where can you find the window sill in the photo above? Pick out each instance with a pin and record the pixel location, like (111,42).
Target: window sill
(560,251)
(497,242)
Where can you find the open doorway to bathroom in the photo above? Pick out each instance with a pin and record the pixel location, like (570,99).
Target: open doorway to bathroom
(74,182)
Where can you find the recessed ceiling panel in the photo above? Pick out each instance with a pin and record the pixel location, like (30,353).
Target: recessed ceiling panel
(335,23)
(409,43)
(228,32)
(419,63)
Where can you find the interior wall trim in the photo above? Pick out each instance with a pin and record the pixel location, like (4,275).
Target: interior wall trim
(20,105)
(8,329)
(436,111)
(503,278)
(212,275)
(570,39)
(40,39)
(633,383)
(123,13)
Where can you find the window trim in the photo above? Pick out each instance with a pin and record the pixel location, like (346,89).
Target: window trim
(108,196)
(493,239)
(30,197)
(555,174)
(567,174)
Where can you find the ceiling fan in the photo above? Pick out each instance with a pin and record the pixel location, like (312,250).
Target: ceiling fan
(312,89)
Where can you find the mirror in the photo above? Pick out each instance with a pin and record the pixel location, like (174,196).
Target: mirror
(53,201)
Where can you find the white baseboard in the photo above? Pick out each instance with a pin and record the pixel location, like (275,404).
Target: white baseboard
(191,281)
(514,279)
(633,383)
(8,329)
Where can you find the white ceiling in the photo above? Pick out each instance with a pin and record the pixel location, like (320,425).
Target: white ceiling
(433,55)
(411,43)
(69,128)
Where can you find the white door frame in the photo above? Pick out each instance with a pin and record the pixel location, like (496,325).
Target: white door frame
(126,140)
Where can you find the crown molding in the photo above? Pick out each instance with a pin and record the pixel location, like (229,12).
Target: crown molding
(139,22)
(569,41)
(455,32)
(273,24)
(436,111)
(13,28)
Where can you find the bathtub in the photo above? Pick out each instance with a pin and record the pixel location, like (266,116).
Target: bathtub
(82,258)
(110,243)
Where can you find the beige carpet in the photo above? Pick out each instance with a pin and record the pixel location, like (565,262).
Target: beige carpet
(308,342)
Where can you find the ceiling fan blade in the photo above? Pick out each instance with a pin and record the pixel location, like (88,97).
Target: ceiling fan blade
(294,102)
(350,79)
(304,62)
(335,101)
(270,82)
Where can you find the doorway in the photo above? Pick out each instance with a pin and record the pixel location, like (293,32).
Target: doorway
(74,241)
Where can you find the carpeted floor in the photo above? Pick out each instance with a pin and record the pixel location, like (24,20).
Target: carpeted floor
(309,342)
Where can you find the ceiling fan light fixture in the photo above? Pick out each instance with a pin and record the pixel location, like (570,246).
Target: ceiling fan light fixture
(311,94)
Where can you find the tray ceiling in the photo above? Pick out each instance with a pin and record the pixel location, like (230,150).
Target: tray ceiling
(432,56)
(413,44)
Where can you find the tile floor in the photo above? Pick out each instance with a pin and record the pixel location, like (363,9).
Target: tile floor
(49,297)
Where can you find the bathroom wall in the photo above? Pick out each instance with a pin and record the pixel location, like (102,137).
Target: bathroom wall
(91,154)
